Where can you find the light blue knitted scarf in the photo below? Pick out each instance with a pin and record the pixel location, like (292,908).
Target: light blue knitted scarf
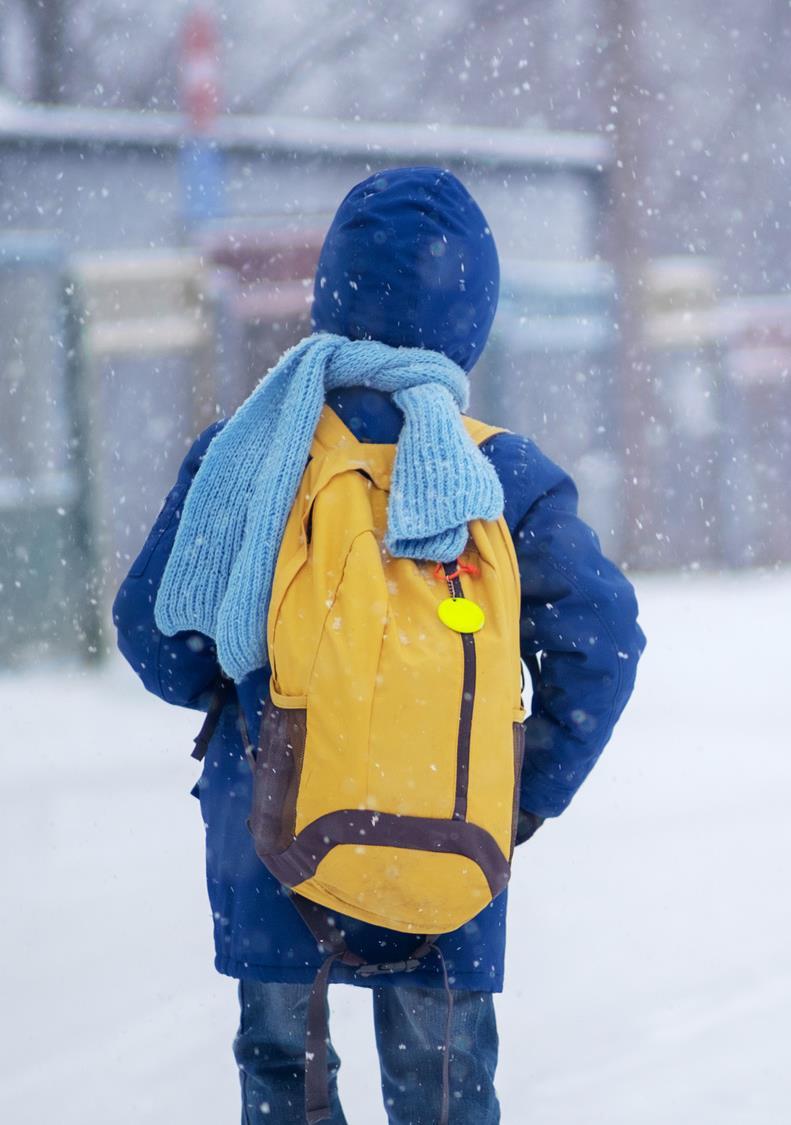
(218,578)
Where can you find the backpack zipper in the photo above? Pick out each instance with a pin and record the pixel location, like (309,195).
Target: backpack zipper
(467,700)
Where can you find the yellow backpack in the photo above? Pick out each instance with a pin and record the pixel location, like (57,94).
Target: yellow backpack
(387,774)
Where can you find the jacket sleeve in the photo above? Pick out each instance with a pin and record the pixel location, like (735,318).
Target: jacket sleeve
(578,616)
(181,669)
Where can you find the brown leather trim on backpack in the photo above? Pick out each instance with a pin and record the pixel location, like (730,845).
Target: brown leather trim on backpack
(301,858)
(277,769)
(519,754)
(467,702)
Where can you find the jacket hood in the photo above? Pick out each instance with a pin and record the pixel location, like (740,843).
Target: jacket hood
(409,260)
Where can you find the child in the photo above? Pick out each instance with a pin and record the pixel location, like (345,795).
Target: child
(405,294)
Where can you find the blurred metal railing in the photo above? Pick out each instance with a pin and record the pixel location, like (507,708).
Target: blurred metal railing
(756,464)
(548,373)
(270,267)
(719,429)
(147,304)
(47,566)
(682,495)
(145,324)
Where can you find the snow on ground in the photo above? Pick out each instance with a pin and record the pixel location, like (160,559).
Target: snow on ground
(649,966)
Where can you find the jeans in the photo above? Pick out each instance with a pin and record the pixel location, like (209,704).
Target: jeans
(409,1025)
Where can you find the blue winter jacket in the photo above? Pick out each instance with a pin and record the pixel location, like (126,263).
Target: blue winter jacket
(397,235)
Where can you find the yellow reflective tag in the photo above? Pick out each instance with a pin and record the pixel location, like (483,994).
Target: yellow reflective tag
(461,615)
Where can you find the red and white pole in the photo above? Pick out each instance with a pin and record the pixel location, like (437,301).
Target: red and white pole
(200,99)
(200,70)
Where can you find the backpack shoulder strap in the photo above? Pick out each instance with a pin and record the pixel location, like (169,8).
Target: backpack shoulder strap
(332,944)
(219,698)
(481,431)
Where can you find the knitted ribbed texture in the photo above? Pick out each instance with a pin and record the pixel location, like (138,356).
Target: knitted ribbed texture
(218,578)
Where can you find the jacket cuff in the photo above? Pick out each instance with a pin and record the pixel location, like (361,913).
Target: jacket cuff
(527,825)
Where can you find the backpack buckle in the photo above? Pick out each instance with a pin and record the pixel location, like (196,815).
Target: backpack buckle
(374,970)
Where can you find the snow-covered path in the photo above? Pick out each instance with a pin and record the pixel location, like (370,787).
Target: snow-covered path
(649,971)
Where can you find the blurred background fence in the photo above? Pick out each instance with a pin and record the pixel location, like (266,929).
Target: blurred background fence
(134,310)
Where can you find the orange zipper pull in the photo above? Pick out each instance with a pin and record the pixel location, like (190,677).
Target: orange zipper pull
(462,568)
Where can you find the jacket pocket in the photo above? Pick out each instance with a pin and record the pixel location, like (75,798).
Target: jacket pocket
(276,777)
